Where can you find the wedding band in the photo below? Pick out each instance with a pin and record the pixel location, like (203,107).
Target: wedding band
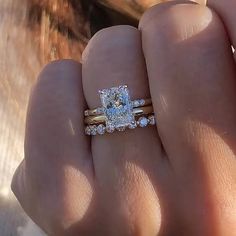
(101,129)
(93,120)
(118,112)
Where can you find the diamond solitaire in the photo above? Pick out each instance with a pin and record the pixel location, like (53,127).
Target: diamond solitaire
(118,108)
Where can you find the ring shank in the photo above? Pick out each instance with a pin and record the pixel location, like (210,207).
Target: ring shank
(92,120)
(136,104)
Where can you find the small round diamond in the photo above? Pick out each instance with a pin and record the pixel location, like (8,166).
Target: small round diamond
(93,129)
(87,130)
(101,129)
(86,113)
(110,129)
(141,102)
(143,122)
(136,103)
(152,120)
(133,125)
(121,128)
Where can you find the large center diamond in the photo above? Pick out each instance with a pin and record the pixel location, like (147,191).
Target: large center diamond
(118,107)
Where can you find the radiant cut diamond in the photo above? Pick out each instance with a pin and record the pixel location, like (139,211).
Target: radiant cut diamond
(118,107)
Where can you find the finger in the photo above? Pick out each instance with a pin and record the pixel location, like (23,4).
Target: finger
(122,160)
(18,183)
(192,83)
(226,10)
(58,168)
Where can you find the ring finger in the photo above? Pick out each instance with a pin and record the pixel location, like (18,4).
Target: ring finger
(125,162)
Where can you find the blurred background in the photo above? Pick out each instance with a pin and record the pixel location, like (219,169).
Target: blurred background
(33,33)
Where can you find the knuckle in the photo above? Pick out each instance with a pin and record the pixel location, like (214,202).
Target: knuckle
(19,187)
(176,11)
(17,183)
(154,13)
(114,31)
(14,184)
(108,39)
(59,64)
(179,22)
(58,68)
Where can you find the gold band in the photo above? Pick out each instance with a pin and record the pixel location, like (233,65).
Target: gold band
(136,104)
(93,120)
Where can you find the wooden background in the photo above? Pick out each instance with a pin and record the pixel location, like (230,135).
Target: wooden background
(32,33)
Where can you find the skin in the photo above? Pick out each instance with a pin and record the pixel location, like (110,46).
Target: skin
(178,178)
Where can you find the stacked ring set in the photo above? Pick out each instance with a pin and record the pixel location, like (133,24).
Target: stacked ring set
(118,112)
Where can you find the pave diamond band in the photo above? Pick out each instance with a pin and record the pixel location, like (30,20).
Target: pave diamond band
(101,129)
(118,112)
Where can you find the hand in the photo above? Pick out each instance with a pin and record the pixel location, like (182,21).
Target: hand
(178,178)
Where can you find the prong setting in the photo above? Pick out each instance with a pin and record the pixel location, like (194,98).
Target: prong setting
(117,106)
